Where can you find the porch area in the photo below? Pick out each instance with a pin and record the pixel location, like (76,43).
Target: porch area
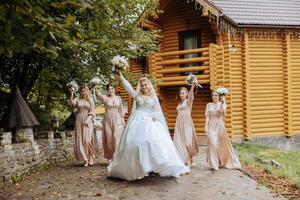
(172,67)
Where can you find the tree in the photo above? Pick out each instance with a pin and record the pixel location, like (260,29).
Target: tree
(33,33)
(46,43)
(48,26)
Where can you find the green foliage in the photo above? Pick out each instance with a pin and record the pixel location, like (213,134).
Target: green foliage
(47,43)
(48,26)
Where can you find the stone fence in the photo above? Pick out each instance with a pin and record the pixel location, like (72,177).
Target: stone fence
(28,154)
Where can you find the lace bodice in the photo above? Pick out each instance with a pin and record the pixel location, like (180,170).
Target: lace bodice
(145,103)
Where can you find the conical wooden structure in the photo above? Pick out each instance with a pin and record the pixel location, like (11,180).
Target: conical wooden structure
(70,121)
(18,114)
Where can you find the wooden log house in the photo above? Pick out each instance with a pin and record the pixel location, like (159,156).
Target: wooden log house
(250,47)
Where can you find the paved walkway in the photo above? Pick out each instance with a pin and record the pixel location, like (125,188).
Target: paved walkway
(70,181)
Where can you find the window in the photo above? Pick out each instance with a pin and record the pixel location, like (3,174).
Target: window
(189,40)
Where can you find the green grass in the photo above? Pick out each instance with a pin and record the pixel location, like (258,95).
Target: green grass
(290,161)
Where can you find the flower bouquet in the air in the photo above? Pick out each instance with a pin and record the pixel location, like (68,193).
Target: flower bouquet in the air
(222,91)
(98,81)
(73,87)
(192,79)
(120,63)
(101,80)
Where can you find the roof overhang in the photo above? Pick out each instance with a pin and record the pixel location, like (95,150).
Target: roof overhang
(228,25)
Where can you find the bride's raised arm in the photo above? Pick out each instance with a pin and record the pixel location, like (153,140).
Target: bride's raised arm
(127,86)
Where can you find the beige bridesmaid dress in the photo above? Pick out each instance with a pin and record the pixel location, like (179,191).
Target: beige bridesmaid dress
(185,137)
(113,124)
(83,134)
(220,152)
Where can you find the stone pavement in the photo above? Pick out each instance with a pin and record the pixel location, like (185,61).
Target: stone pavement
(69,180)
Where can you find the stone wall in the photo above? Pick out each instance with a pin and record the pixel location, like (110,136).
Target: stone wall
(28,154)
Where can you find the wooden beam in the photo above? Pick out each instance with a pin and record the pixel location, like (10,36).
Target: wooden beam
(246,88)
(182,78)
(224,65)
(183,61)
(179,83)
(287,87)
(183,69)
(212,66)
(173,53)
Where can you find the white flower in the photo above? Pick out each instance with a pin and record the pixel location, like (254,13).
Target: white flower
(132,46)
(112,77)
(119,62)
(96,81)
(73,86)
(222,91)
(190,79)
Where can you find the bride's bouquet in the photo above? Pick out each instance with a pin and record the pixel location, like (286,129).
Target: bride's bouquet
(73,87)
(222,91)
(120,63)
(191,79)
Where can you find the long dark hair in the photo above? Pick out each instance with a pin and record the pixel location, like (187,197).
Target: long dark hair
(110,85)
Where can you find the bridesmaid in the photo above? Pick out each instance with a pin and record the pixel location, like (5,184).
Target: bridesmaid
(113,121)
(83,146)
(220,152)
(185,137)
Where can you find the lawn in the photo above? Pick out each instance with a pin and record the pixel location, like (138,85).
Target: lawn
(271,167)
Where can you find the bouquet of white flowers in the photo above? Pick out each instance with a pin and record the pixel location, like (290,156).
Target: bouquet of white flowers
(190,79)
(73,87)
(222,91)
(101,80)
(120,63)
(95,81)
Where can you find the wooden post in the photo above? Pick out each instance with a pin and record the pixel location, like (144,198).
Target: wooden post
(246,88)
(151,65)
(287,86)
(158,59)
(226,82)
(212,66)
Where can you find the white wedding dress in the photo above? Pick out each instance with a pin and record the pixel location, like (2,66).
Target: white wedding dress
(146,145)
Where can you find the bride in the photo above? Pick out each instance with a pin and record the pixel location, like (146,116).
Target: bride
(146,145)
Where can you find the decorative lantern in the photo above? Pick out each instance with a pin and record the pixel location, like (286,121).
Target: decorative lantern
(55,124)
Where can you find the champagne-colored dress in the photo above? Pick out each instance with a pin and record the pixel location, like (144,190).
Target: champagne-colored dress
(83,134)
(112,124)
(220,152)
(185,137)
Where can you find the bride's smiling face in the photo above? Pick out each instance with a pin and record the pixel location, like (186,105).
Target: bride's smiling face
(144,86)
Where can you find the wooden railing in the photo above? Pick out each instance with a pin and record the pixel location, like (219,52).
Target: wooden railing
(171,68)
